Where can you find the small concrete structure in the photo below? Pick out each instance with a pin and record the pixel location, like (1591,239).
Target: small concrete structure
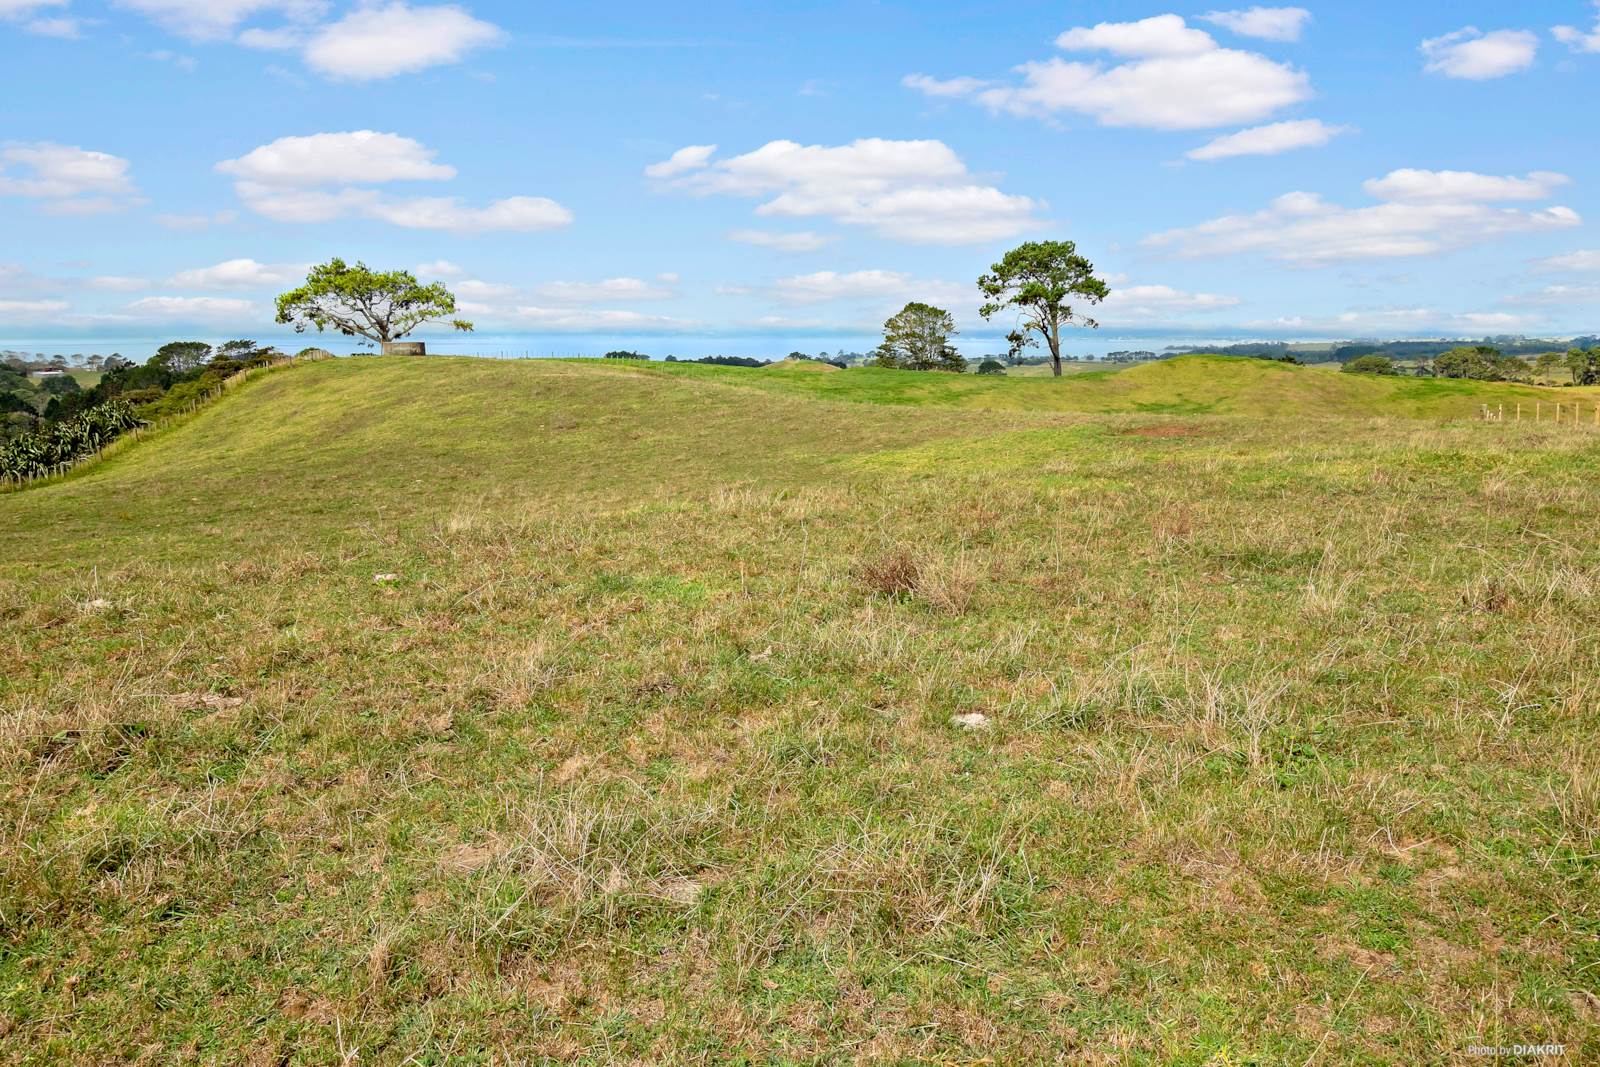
(405,348)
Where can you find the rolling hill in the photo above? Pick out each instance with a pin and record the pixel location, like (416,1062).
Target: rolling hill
(458,710)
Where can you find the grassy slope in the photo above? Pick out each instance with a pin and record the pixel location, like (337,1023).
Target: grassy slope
(1187,385)
(1291,752)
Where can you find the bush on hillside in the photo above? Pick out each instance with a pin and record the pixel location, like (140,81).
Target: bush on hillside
(34,455)
(1370,365)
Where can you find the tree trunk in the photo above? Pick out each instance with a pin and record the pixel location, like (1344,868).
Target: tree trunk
(1054,337)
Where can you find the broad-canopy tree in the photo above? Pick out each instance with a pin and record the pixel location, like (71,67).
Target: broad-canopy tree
(1481,362)
(1584,365)
(1370,365)
(180,357)
(1037,281)
(917,337)
(380,306)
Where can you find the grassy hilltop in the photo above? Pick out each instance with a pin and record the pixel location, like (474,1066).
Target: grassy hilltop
(461,711)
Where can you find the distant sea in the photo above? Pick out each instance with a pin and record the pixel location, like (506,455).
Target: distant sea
(545,346)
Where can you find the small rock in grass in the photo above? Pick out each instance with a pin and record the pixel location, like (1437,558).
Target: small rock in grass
(972,720)
(385,578)
(97,604)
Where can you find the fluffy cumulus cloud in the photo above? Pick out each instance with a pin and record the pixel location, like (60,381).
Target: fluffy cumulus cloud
(1579,40)
(1167,75)
(377,39)
(914,191)
(67,179)
(1419,213)
(1473,55)
(325,176)
(324,158)
(1269,140)
(1267,23)
(239,274)
(395,38)
(796,241)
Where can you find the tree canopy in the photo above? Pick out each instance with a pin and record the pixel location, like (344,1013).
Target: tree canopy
(1584,365)
(1037,280)
(357,301)
(1480,362)
(917,337)
(1370,365)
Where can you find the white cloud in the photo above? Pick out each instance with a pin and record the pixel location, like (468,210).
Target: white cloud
(1560,296)
(1460,186)
(1132,303)
(1420,219)
(826,285)
(946,87)
(916,191)
(213,20)
(30,14)
(607,291)
(1576,39)
(117,283)
(182,62)
(13,9)
(690,157)
(439,268)
(1176,78)
(592,320)
(1267,23)
(63,28)
(356,157)
(394,38)
(238,274)
(279,39)
(802,241)
(518,213)
(1394,322)
(1269,140)
(222,310)
(483,292)
(196,222)
(317,178)
(31,310)
(1160,35)
(70,180)
(1587,259)
(1476,56)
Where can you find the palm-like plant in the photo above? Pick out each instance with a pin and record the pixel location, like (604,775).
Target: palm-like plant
(47,451)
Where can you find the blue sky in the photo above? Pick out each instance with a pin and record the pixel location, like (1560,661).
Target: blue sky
(1345,170)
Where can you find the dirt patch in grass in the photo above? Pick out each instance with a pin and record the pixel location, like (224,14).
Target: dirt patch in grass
(1165,429)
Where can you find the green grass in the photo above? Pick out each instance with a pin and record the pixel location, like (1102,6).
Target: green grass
(646,753)
(1187,385)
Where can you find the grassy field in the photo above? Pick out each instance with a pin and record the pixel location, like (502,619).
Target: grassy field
(461,711)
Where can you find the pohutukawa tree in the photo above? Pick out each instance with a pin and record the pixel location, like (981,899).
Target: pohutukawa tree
(1037,281)
(380,306)
(917,337)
